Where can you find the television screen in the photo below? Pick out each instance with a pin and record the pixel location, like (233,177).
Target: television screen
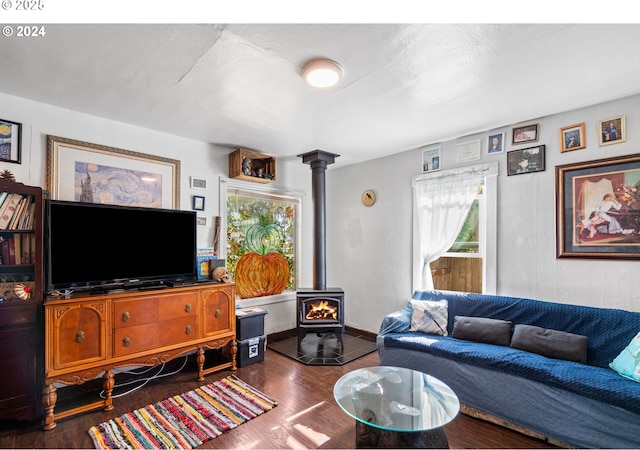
(92,245)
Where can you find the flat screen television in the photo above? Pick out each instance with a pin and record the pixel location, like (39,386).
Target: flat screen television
(101,247)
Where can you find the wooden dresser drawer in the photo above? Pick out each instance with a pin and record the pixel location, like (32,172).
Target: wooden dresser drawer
(156,308)
(151,336)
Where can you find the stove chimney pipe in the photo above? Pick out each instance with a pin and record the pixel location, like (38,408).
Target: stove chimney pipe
(319,160)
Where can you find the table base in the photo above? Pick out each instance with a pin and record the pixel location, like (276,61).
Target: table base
(372,437)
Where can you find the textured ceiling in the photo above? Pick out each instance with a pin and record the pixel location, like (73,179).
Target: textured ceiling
(405,85)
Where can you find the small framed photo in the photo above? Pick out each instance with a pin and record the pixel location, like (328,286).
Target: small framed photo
(198,203)
(522,135)
(10,141)
(572,138)
(526,160)
(468,151)
(201,221)
(198,183)
(430,159)
(612,131)
(495,144)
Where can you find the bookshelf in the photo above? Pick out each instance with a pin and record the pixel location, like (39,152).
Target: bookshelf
(21,274)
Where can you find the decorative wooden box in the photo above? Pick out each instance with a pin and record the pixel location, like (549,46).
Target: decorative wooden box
(252,166)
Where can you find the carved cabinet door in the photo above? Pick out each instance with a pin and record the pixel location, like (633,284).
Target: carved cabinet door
(76,334)
(219,309)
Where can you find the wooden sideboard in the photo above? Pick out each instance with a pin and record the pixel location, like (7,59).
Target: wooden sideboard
(89,335)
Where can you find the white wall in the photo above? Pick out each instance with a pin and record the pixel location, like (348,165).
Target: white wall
(369,249)
(197,159)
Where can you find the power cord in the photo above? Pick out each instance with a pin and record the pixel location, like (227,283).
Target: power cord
(144,381)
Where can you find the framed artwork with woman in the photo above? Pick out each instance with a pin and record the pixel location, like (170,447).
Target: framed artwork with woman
(599,208)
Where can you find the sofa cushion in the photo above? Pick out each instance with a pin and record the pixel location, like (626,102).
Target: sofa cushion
(429,316)
(608,330)
(627,363)
(550,343)
(482,329)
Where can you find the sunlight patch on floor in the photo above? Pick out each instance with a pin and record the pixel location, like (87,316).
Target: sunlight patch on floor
(316,437)
(295,416)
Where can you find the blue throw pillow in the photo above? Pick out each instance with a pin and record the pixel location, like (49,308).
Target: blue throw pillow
(627,363)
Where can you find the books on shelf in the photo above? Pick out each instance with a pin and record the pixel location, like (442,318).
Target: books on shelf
(17,211)
(17,248)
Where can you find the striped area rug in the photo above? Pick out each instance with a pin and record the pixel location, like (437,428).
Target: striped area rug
(186,420)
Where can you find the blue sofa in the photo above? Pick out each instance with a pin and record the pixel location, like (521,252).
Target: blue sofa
(566,402)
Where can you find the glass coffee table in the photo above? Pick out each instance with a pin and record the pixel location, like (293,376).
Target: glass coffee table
(396,407)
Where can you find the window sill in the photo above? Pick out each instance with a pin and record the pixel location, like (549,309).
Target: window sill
(286,296)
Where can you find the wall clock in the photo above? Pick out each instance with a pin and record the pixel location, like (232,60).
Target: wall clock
(368,197)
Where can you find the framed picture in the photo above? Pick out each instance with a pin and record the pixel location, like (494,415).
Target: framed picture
(198,203)
(198,183)
(598,209)
(468,151)
(526,160)
(527,133)
(612,131)
(92,173)
(572,138)
(201,221)
(10,141)
(495,144)
(430,159)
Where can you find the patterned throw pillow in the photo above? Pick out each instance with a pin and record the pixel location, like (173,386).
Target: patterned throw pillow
(627,363)
(430,316)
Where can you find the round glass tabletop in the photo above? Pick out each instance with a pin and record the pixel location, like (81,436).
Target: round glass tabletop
(396,399)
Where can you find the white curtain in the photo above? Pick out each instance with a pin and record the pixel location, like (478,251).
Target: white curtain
(442,204)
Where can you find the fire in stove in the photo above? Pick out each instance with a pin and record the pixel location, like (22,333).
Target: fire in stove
(321,310)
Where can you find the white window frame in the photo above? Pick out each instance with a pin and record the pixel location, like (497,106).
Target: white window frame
(488,227)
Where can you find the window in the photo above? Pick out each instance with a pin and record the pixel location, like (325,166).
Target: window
(470,257)
(468,242)
(263,221)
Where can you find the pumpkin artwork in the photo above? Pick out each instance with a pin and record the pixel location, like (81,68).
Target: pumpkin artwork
(262,271)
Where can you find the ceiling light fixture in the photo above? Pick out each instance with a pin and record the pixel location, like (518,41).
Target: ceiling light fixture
(322,73)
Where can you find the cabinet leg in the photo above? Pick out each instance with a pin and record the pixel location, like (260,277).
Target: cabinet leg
(234,352)
(49,399)
(200,362)
(107,384)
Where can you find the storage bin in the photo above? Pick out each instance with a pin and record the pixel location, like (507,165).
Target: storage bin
(251,351)
(249,323)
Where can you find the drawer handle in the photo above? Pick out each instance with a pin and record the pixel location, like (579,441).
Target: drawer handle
(126,316)
(188,330)
(217,313)
(126,341)
(187,307)
(79,336)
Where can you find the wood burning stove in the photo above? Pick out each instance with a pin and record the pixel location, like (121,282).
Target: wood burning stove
(321,309)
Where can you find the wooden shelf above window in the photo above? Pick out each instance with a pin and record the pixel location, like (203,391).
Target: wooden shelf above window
(258,167)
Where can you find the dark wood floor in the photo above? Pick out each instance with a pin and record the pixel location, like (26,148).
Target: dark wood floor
(306,415)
